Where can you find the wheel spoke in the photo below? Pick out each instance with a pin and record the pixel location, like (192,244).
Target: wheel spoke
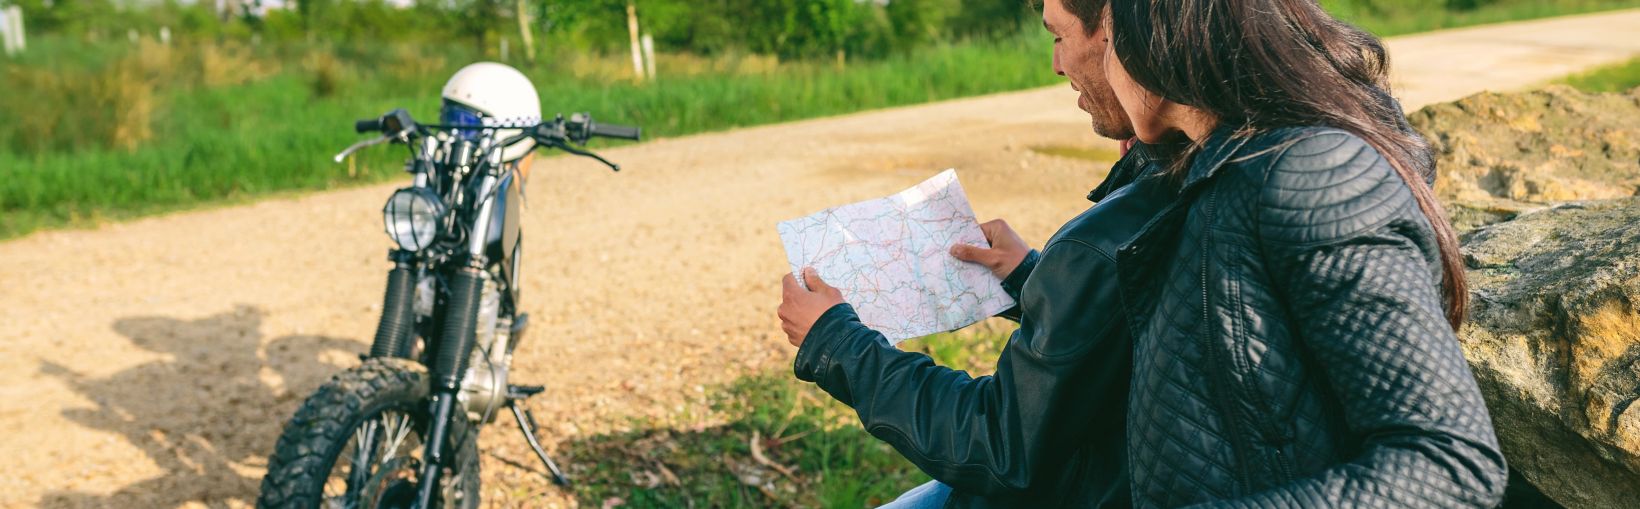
(400,430)
(372,456)
(364,443)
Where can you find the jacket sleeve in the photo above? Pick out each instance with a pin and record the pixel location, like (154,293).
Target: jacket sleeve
(1014,284)
(1062,376)
(1348,248)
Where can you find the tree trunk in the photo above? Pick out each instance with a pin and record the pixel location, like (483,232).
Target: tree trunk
(632,29)
(524,31)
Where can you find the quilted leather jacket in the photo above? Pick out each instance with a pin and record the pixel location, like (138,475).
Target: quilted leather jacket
(1288,349)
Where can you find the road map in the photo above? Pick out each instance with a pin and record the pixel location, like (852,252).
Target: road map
(891,259)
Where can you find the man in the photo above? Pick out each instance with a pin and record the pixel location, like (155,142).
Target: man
(1047,430)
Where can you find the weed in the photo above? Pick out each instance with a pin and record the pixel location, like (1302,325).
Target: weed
(1613,78)
(810,451)
(325,74)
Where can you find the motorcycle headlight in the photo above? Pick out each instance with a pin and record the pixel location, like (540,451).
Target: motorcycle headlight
(412,217)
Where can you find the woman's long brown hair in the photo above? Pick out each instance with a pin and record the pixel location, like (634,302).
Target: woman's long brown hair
(1265,64)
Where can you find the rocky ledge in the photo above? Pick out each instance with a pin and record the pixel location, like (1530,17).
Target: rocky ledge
(1554,340)
(1502,154)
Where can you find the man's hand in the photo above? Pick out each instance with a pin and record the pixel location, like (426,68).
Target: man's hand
(800,308)
(1006,251)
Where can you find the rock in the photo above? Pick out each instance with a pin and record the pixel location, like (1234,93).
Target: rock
(1501,154)
(1554,341)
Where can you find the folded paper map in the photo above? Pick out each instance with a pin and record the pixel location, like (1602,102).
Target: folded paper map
(891,259)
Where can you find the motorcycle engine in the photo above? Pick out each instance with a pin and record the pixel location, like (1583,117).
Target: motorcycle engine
(484,388)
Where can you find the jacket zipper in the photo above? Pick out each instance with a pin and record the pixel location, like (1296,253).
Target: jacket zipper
(1285,464)
(1267,421)
(1237,441)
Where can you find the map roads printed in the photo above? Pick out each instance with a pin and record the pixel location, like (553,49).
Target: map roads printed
(891,259)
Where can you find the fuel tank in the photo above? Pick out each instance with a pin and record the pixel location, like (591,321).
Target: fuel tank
(504,232)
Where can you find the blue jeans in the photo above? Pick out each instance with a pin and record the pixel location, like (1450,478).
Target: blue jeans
(930,495)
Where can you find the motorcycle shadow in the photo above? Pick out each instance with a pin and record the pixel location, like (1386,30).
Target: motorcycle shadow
(206,413)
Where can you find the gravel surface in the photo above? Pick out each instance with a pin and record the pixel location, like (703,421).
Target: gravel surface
(151,363)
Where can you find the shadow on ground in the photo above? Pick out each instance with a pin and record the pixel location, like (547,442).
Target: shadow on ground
(208,414)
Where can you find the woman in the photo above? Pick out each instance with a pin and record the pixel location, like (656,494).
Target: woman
(1294,307)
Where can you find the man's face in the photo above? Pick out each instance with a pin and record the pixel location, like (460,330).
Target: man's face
(1080,57)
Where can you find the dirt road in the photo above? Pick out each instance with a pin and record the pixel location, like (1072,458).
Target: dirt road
(151,363)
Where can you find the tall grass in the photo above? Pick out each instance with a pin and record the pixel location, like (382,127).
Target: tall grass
(159,128)
(93,132)
(1395,17)
(1618,77)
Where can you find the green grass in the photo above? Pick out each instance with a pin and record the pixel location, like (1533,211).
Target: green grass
(833,462)
(99,132)
(796,426)
(1396,17)
(1098,155)
(1613,78)
(68,164)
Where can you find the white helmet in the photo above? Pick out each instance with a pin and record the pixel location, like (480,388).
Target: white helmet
(494,95)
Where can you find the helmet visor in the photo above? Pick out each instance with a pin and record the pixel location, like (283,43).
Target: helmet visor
(457,114)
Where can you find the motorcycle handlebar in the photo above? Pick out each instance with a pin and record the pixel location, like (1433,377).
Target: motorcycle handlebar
(365,126)
(559,133)
(616,131)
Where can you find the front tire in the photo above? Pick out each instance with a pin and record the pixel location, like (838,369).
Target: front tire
(357,443)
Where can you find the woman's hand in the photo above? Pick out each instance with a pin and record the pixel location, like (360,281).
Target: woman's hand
(1006,252)
(800,308)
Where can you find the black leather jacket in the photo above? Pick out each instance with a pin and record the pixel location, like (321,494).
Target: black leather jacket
(1288,350)
(1047,428)
(1290,344)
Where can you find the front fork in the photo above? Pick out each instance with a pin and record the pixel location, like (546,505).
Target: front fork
(455,346)
(449,365)
(394,332)
(454,350)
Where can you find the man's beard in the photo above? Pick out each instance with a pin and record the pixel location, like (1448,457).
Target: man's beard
(1108,118)
(1115,126)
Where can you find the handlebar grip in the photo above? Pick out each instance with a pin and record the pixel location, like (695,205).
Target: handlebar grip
(365,126)
(616,131)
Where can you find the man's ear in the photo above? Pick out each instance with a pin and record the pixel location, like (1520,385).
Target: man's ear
(1103,30)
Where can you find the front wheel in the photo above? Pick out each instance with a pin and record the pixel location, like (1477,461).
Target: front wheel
(357,443)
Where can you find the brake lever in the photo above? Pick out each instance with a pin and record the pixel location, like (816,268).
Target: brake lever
(565,147)
(360,146)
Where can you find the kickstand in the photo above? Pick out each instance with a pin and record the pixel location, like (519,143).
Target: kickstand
(526,424)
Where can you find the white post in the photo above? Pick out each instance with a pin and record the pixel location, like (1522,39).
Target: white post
(649,55)
(524,31)
(15,41)
(632,29)
(5,30)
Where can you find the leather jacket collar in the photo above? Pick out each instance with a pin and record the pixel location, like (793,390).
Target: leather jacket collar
(1135,162)
(1215,152)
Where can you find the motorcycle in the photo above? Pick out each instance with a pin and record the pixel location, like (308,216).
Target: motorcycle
(400,430)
